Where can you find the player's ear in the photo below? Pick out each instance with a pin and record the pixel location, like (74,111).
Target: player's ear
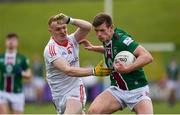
(112,26)
(49,29)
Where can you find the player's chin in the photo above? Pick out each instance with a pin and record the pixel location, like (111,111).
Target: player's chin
(62,36)
(102,39)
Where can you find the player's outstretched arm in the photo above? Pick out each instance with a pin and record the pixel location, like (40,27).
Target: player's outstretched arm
(62,65)
(88,46)
(84,27)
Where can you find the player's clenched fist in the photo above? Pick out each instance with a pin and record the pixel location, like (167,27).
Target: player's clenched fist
(99,70)
(62,18)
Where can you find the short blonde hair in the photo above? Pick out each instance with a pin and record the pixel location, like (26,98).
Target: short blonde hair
(51,19)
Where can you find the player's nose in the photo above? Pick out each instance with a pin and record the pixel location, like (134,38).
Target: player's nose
(99,35)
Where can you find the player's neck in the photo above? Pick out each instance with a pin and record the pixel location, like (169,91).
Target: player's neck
(11,50)
(112,33)
(110,36)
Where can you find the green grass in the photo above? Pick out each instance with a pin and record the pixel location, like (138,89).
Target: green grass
(48,108)
(146,20)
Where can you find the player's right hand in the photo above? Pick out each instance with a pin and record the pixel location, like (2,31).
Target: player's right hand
(62,18)
(99,70)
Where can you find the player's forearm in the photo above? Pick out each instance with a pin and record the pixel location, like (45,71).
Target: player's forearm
(79,72)
(82,24)
(99,49)
(141,61)
(62,65)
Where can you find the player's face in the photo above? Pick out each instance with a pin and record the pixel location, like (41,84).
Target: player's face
(58,30)
(104,32)
(11,43)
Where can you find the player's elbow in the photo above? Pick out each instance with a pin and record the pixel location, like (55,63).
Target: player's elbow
(149,58)
(88,26)
(68,71)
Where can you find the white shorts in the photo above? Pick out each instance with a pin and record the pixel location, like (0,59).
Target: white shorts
(78,93)
(129,98)
(16,100)
(172,84)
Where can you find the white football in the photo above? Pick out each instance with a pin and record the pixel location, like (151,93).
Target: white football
(126,57)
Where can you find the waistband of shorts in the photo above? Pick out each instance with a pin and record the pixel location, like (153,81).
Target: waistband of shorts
(136,87)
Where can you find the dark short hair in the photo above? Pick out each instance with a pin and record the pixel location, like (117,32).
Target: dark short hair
(11,35)
(102,18)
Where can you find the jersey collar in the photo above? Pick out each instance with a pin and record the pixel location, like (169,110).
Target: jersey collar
(64,43)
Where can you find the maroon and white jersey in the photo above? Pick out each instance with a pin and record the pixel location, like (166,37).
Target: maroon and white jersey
(59,82)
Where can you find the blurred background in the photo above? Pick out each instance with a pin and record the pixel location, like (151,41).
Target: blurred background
(155,24)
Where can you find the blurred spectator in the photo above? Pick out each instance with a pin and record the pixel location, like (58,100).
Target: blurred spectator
(39,81)
(14,68)
(172,71)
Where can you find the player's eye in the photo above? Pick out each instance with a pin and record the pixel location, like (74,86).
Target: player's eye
(102,30)
(96,30)
(57,29)
(64,27)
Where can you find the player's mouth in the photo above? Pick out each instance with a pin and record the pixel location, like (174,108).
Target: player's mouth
(63,36)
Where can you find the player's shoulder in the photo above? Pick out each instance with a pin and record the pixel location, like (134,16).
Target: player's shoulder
(120,34)
(2,55)
(122,37)
(50,43)
(51,48)
(22,56)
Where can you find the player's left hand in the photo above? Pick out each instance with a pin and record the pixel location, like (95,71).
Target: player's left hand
(62,18)
(87,44)
(99,70)
(120,67)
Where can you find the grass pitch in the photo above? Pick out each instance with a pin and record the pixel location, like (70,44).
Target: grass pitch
(146,20)
(48,108)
